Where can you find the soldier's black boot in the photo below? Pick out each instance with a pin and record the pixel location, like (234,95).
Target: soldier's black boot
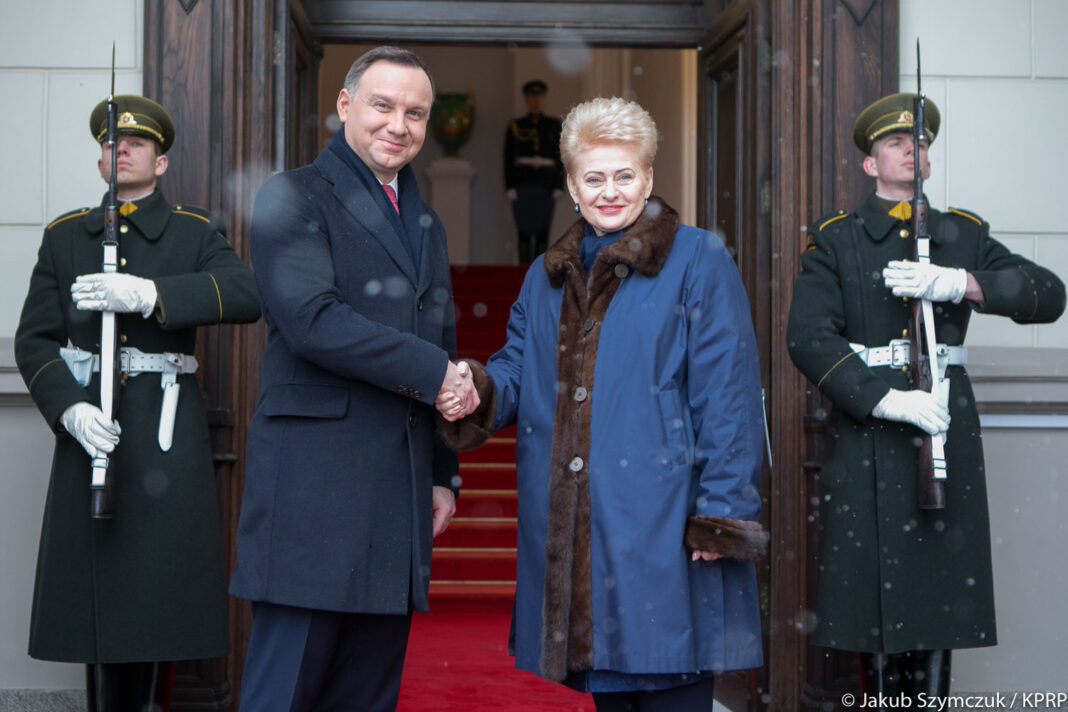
(122,687)
(927,672)
(880,677)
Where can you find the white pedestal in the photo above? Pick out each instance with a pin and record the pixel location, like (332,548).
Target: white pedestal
(450,196)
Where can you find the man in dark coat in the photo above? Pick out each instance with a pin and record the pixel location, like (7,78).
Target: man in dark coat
(533,171)
(900,584)
(148,584)
(346,479)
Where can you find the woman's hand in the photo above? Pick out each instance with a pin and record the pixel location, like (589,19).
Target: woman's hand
(705,556)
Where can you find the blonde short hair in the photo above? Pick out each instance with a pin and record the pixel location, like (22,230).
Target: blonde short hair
(599,121)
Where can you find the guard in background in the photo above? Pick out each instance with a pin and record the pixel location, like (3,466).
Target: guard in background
(898,584)
(533,172)
(147,586)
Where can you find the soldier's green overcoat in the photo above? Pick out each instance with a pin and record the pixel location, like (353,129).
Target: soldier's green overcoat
(893,577)
(148,584)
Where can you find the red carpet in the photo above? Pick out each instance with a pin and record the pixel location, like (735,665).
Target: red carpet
(458,662)
(458,654)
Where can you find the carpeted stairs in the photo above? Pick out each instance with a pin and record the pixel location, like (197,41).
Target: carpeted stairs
(475,558)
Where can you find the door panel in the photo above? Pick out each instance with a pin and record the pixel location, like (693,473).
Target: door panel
(733,136)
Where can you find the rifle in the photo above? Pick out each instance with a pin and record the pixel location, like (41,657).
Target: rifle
(923,362)
(102,484)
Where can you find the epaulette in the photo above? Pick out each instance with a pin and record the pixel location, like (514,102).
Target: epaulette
(67,216)
(192,212)
(810,238)
(830,218)
(966,214)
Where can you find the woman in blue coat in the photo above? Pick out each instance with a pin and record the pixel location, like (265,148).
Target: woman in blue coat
(631,371)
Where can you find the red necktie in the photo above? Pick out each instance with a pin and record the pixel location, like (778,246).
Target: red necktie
(392,196)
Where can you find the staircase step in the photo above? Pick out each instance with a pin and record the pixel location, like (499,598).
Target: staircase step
(499,448)
(497,532)
(470,564)
(486,475)
(487,503)
(474,560)
(473,593)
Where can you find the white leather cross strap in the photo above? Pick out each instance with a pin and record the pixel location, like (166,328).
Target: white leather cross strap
(896,354)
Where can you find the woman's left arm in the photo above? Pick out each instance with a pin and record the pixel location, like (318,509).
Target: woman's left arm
(724,398)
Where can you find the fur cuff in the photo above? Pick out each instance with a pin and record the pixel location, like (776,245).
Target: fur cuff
(734,538)
(469,432)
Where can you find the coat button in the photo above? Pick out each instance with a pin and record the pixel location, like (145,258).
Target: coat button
(122,338)
(419,305)
(124,229)
(412,420)
(588,323)
(580,394)
(903,233)
(575,465)
(122,261)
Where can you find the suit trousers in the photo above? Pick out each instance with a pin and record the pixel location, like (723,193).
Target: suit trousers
(302,659)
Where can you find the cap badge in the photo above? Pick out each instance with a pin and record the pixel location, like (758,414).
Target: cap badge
(127,119)
(905,117)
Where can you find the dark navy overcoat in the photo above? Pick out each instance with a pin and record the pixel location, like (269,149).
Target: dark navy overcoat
(342,451)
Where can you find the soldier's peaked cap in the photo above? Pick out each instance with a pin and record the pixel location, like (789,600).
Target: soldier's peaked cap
(893,113)
(136,115)
(535,86)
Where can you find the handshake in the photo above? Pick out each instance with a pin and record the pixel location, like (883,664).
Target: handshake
(458,396)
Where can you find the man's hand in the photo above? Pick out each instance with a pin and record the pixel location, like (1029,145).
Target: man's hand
(919,408)
(926,281)
(458,396)
(443,504)
(91,428)
(114,292)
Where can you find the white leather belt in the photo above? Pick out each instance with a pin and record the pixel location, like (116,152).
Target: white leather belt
(896,354)
(83,364)
(535,161)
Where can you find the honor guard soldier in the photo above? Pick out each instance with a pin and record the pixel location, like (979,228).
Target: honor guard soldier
(900,584)
(129,593)
(533,172)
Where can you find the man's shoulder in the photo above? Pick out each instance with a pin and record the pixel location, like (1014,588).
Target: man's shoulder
(965,215)
(829,227)
(69,218)
(181,211)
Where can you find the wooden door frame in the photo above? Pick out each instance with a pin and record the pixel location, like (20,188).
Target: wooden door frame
(220,67)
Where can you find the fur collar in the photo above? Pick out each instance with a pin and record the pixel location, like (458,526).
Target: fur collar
(644,247)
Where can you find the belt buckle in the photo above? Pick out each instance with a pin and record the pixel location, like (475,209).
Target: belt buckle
(124,361)
(900,352)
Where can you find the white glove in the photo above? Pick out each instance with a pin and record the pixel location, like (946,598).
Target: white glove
(919,408)
(926,281)
(114,292)
(91,428)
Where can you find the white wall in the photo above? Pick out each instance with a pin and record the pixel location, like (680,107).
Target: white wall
(998,71)
(55,65)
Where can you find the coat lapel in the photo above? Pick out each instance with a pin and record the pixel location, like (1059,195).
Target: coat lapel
(353,196)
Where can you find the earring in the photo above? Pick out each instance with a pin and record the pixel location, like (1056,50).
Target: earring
(646,202)
(576,207)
